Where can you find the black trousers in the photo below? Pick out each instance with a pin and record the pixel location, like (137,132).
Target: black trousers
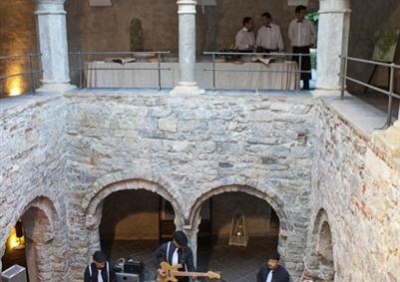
(264,50)
(305,64)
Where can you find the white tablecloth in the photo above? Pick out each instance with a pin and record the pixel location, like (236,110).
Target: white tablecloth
(249,75)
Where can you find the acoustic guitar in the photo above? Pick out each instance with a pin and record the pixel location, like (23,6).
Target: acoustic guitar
(172,272)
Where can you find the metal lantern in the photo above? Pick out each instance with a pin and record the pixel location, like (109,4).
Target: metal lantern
(238,235)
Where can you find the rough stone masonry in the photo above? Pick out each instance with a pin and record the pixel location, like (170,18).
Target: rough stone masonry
(63,155)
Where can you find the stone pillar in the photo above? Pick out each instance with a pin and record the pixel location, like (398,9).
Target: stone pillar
(333,33)
(53,45)
(187,49)
(191,233)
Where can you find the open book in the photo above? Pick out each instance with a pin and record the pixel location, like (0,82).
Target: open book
(265,61)
(123,60)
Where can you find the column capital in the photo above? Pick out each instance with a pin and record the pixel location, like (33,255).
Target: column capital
(186,6)
(334,6)
(186,2)
(44,7)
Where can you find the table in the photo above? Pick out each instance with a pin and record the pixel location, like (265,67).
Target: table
(227,75)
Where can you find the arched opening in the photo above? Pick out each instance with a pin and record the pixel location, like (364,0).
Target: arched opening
(320,264)
(243,230)
(15,247)
(116,212)
(37,236)
(129,227)
(125,220)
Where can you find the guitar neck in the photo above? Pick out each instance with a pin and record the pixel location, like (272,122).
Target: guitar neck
(184,273)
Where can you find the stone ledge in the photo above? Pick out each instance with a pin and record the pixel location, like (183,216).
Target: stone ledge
(388,140)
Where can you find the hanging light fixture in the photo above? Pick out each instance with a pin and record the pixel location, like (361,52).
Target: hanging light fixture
(238,235)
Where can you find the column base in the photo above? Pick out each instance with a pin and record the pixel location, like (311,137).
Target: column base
(55,87)
(187,89)
(319,92)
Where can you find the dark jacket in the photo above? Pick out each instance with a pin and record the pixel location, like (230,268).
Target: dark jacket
(279,275)
(185,258)
(91,273)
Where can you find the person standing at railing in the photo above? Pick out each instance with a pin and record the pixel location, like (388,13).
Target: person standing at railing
(245,39)
(269,36)
(302,36)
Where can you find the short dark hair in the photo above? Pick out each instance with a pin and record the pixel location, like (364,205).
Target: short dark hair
(274,256)
(300,8)
(99,256)
(180,238)
(267,15)
(247,20)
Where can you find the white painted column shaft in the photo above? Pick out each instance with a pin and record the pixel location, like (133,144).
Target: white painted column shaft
(333,33)
(187,49)
(53,45)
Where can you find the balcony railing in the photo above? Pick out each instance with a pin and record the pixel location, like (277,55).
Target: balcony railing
(95,69)
(80,64)
(19,74)
(388,91)
(249,56)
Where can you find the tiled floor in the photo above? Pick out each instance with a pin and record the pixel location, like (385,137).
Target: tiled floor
(234,263)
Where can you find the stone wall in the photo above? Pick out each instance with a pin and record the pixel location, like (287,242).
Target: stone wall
(62,157)
(190,147)
(32,140)
(17,37)
(358,187)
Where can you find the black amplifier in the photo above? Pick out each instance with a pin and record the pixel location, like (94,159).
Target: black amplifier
(133,266)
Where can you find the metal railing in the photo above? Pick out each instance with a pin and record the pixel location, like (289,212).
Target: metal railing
(81,66)
(251,56)
(390,87)
(78,62)
(19,74)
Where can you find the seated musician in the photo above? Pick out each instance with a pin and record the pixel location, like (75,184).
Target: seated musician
(175,252)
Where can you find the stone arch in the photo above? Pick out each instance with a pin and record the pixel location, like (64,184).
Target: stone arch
(274,201)
(320,264)
(45,240)
(94,207)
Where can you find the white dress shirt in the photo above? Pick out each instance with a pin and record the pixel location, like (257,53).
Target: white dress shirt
(269,277)
(175,257)
(302,33)
(99,277)
(270,37)
(244,39)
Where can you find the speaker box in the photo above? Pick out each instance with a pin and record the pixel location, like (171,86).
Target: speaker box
(127,277)
(133,266)
(15,273)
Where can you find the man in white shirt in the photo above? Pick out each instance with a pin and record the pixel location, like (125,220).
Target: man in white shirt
(175,252)
(99,270)
(269,36)
(245,39)
(302,36)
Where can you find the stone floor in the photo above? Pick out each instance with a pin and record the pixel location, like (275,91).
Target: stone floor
(234,263)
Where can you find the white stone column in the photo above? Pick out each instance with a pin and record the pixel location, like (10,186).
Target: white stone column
(187,49)
(333,33)
(53,45)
